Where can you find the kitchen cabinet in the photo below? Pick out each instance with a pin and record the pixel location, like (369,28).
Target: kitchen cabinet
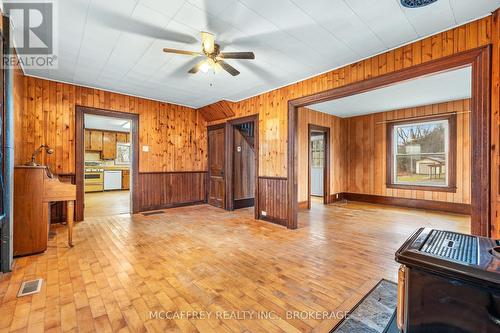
(95,140)
(87,140)
(125,179)
(122,137)
(108,146)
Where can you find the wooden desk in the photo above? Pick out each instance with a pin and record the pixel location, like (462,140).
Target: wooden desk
(34,189)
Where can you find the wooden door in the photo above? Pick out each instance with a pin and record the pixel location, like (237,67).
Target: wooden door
(216,163)
(121,137)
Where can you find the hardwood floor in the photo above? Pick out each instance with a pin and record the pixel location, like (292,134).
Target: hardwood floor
(110,203)
(201,258)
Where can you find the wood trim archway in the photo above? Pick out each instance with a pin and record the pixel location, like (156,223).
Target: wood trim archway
(80,155)
(480,61)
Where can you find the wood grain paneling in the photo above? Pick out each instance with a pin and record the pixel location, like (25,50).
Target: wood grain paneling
(366,153)
(495,126)
(273,200)
(272,106)
(338,134)
(170,189)
(217,111)
(176,135)
(243,167)
(449,207)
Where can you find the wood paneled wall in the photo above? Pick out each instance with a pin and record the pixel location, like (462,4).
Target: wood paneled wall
(273,200)
(272,106)
(366,153)
(338,160)
(217,111)
(170,189)
(176,135)
(243,168)
(358,152)
(495,126)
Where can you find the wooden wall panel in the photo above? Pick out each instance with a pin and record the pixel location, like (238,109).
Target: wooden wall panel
(176,135)
(18,88)
(338,135)
(243,168)
(273,200)
(272,106)
(217,111)
(366,153)
(165,190)
(495,126)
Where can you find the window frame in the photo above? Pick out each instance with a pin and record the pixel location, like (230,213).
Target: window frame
(451,154)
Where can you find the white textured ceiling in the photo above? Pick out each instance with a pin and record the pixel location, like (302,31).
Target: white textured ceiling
(443,87)
(117,44)
(106,123)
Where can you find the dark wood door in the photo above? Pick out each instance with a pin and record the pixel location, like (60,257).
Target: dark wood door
(216,164)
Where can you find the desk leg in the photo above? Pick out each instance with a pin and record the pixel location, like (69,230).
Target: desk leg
(70,211)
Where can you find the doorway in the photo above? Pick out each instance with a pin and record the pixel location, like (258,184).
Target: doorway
(318,164)
(242,162)
(478,60)
(233,150)
(106,162)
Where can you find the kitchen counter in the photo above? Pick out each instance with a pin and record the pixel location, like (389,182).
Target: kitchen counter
(116,167)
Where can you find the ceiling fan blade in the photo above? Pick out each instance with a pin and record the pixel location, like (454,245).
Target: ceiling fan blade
(208,42)
(228,68)
(237,55)
(196,68)
(191,53)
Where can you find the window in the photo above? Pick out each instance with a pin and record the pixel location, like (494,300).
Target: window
(421,154)
(317,151)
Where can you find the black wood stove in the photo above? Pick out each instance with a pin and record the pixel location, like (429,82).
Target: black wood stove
(448,283)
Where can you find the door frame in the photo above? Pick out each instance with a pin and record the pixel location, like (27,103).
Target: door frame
(480,61)
(80,155)
(326,164)
(229,160)
(207,189)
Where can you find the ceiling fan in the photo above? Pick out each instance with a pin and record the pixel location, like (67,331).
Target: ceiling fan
(214,58)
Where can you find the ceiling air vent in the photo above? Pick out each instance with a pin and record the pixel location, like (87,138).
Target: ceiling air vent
(416,3)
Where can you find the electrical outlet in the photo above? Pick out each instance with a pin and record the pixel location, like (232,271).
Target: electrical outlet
(145,149)
(263,213)
(336,196)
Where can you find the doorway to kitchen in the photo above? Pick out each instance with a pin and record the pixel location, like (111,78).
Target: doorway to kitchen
(106,162)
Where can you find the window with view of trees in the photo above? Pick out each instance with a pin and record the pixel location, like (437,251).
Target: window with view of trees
(421,154)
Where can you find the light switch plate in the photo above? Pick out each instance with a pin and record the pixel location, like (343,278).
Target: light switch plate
(145,149)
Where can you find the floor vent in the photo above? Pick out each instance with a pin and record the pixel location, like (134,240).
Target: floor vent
(153,213)
(30,287)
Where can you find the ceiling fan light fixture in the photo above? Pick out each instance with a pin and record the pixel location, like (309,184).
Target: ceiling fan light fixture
(416,3)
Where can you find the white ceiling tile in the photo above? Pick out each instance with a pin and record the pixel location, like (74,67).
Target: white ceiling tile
(393,32)
(210,6)
(435,17)
(168,8)
(342,22)
(464,12)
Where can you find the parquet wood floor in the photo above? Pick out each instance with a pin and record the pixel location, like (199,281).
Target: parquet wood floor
(204,259)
